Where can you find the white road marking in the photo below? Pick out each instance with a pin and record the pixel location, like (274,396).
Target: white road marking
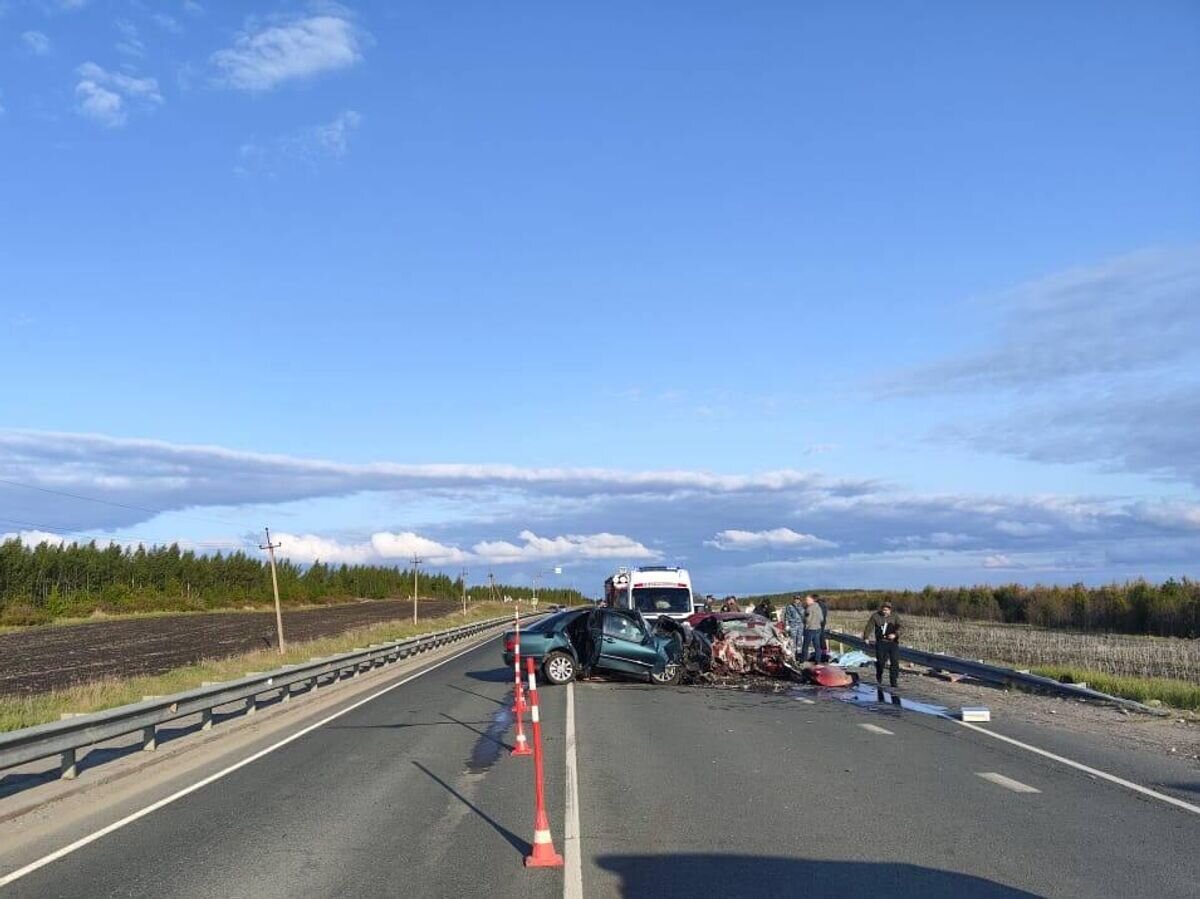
(186,791)
(1086,769)
(806,701)
(1007,782)
(876,729)
(572,851)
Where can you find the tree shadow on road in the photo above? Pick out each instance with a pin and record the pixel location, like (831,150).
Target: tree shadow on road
(695,875)
(493,675)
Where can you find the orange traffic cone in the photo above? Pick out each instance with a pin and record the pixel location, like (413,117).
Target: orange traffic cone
(543,854)
(522,747)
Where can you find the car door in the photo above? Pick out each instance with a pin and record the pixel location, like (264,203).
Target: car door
(624,646)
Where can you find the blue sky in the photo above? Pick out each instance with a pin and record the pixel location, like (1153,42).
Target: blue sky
(796,294)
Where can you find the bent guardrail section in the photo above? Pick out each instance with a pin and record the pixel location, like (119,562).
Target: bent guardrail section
(65,738)
(997,674)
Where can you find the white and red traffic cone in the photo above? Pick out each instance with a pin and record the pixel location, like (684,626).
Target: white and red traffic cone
(519,704)
(543,855)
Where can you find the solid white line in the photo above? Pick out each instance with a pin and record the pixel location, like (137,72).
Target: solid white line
(1095,772)
(1007,782)
(876,729)
(572,851)
(167,800)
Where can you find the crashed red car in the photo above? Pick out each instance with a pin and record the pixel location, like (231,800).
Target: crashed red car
(744,643)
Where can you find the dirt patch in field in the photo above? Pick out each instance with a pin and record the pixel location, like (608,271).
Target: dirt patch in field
(49,658)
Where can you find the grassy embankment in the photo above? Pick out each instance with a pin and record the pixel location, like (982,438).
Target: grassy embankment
(1145,669)
(26,711)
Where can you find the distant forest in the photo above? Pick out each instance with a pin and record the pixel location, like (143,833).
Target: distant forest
(40,583)
(1170,609)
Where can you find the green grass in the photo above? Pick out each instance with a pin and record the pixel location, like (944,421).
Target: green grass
(38,708)
(1174,693)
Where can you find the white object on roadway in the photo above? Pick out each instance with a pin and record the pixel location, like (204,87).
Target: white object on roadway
(1078,766)
(1007,782)
(876,729)
(806,701)
(975,713)
(572,851)
(186,791)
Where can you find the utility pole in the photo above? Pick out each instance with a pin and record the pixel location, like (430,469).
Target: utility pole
(464,589)
(416,560)
(270,548)
(491,587)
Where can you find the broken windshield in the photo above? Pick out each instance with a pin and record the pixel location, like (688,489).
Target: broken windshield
(658,600)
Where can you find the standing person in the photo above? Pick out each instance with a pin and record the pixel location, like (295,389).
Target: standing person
(793,617)
(814,621)
(823,646)
(883,629)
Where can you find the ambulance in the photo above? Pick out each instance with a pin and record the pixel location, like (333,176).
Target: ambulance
(653,590)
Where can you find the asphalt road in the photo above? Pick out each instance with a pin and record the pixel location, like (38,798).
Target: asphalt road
(682,792)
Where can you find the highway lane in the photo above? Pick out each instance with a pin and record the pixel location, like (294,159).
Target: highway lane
(683,791)
(687,792)
(411,794)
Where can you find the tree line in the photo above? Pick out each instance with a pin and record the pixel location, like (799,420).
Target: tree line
(1169,609)
(47,581)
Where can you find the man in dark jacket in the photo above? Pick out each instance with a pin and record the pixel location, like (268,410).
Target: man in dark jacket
(823,646)
(883,629)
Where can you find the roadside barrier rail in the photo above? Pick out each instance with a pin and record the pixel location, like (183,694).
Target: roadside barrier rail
(997,674)
(65,738)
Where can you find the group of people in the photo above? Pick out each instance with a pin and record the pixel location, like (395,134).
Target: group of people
(807,618)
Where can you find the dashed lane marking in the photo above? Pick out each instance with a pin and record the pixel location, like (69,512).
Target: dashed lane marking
(876,729)
(1007,782)
(1086,769)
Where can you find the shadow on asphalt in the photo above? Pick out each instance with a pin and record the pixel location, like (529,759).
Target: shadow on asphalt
(480,695)
(492,675)
(515,841)
(696,875)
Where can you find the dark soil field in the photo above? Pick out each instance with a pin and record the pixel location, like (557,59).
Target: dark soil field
(47,658)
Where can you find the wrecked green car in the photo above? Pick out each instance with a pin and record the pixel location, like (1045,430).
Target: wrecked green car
(579,641)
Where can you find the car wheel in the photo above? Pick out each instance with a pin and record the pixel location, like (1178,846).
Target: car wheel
(559,668)
(669,677)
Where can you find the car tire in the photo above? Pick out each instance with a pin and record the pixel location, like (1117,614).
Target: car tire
(559,668)
(670,677)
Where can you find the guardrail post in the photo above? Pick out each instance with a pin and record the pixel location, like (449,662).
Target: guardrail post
(149,738)
(285,693)
(69,769)
(251,705)
(206,719)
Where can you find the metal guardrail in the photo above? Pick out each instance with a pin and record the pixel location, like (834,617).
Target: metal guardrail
(64,738)
(996,674)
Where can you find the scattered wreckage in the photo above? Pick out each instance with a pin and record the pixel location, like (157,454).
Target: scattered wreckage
(705,648)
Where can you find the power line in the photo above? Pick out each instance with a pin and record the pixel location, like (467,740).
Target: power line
(109,502)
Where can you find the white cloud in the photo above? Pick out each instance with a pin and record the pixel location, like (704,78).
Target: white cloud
(264,59)
(36,42)
(775,538)
(34,538)
(131,42)
(1023,528)
(565,548)
(938,539)
(100,104)
(999,560)
(105,96)
(167,22)
(332,139)
(386,546)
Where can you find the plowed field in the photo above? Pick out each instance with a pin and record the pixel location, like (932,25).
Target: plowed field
(47,658)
